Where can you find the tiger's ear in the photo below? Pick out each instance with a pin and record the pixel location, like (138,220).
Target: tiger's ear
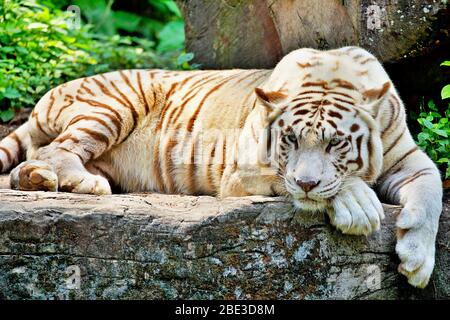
(270,100)
(374,98)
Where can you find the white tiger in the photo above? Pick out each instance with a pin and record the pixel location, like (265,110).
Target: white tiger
(320,128)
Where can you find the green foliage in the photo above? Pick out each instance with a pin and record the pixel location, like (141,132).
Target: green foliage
(435,136)
(445,93)
(39,50)
(183,61)
(160,21)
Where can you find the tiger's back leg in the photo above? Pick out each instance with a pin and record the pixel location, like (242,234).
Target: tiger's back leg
(14,147)
(97,118)
(60,165)
(36,175)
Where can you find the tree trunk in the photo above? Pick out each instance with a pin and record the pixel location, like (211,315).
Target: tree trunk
(60,245)
(257,33)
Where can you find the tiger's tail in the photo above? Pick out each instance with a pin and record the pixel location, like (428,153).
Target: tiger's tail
(13,147)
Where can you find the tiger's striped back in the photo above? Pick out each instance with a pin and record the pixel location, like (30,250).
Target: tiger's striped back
(189,139)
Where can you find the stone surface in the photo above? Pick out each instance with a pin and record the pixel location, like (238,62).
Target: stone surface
(146,246)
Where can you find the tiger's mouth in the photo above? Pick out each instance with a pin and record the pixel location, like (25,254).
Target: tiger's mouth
(308,201)
(308,204)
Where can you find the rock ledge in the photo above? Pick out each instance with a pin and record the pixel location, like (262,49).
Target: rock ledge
(150,246)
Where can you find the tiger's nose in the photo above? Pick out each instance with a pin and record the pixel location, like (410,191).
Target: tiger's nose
(307,184)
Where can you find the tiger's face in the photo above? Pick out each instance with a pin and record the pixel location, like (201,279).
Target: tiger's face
(319,138)
(318,148)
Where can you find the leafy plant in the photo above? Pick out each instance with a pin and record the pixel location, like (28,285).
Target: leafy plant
(159,20)
(39,50)
(435,126)
(183,61)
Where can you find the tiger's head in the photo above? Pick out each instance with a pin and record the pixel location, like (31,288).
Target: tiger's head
(319,133)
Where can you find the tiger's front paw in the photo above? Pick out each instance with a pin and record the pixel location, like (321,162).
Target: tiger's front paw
(34,175)
(416,250)
(84,182)
(356,209)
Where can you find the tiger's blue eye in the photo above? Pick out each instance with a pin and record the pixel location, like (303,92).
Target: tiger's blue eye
(335,141)
(292,137)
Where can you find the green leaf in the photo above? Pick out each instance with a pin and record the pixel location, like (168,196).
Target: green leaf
(423,136)
(11,93)
(445,63)
(185,58)
(445,93)
(433,154)
(7,115)
(428,124)
(22,50)
(440,132)
(7,49)
(435,115)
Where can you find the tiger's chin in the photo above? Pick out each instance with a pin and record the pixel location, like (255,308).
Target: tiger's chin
(307,204)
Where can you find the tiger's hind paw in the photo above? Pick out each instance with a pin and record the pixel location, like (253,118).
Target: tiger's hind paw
(34,175)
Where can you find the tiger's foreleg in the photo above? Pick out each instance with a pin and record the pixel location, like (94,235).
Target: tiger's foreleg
(414,182)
